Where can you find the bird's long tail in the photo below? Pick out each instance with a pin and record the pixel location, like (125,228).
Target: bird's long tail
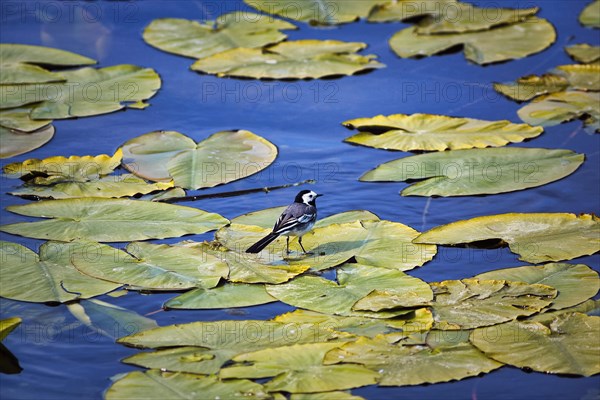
(262,243)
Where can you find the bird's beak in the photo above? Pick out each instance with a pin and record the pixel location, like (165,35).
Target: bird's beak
(319,195)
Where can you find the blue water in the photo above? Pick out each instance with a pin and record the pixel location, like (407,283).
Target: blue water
(61,359)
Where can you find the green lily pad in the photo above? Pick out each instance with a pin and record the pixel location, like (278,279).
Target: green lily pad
(317,12)
(74,168)
(589,307)
(299,369)
(152,267)
(566,345)
(221,158)
(435,132)
(354,282)
(402,10)
(195,360)
(86,91)
(584,53)
(560,107)
(8,325)
(535,237)
(575,283)
(528,87)
(581,77)
(19,119)
(20,63)
(202,39)
(49,277)
(110,320)
(229,295)
(15,142)
(477,171)
(502,43)
(400,365)
(472,303)
(300,59)
(108,186)
(101,220)
(155,384)
(590,16)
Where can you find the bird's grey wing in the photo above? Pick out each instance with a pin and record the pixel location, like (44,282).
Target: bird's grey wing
(293,215)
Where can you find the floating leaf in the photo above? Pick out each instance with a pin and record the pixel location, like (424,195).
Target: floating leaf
(108,186)
(584,53)
(528,87)
(195,360)
(20,63)
(86,92)
(16,142)
(155,384)
(298,59)
(102,220)
(8,325)
(108,319)
(202,39)
(49,277)
(325,396)
(462,17)
(226,296)
(299,369)
(575,283)
(317,12)
(589,307)
(18,118)
(402,10)
(221,158)
(536,237)
(566,345)
(477,171)
(74,168)
(560,107)
(152,267)
(472,303)
(503,43)
(435,132)
(354,282)
(400,365)
(590,16)
(581,77)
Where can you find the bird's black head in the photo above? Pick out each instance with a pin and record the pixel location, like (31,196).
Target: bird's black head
(306,197)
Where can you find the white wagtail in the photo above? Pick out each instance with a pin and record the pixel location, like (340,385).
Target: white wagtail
(296,220)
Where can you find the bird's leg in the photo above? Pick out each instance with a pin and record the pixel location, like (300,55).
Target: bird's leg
(300,242)
(287,244)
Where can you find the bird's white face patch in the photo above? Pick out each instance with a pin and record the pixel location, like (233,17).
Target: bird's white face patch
(308,197)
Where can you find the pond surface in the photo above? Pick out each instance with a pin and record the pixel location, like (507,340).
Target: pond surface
(61,359)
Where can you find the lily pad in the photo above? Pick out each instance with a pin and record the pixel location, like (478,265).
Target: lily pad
(354,282)
(202,39)
(74,168)
(473,303)
(590,16)
(221,158)
(317,12)
(575,283)
(155,384)
(436,132)
(19,119)
(229,295)
(584,53)
(581,77)
(528,87)
(566,345)
(325,396)
(8,325)
(535,237)
(108,186)
(300,59)
(86,92)
(477,171)
(49,277)
(20,63)
(502,43)
(102,220)
(299,369)
(560,107)
(15,142)
(152,267)
(402,10)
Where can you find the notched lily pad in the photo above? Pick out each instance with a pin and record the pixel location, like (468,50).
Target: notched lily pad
(300,59)
(477,171)
(229,295)
(435,132)
(536,237)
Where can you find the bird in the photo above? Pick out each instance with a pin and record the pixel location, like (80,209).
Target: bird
(296,220)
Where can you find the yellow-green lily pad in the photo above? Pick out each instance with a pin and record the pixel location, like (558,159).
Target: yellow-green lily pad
(402,10)
(15,142)
(584,53)
(528,87)
(590,15)
(229,295)
(19,119)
